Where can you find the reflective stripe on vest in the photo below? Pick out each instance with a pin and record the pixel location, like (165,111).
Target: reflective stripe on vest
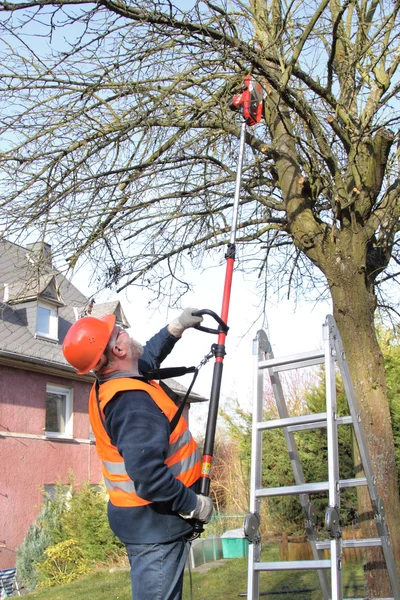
(177,468)
(183,456)
(186,464)
(183,440)
(126,486)
(115,468)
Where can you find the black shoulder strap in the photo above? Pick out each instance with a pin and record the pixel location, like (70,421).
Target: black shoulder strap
(168,372)
(177,415)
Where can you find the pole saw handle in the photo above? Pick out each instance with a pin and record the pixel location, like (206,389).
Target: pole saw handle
(198,528)
(223,327)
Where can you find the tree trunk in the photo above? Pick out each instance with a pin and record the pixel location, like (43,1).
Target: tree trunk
(354,308)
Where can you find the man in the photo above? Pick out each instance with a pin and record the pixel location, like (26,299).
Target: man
(150,472)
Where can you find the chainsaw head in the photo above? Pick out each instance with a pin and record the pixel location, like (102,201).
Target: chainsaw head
(250,101)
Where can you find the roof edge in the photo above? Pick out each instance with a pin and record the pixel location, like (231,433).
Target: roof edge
(39,365)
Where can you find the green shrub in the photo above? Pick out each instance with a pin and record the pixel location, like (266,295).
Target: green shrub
(40,535)
(71,535)
(29,553)
(62,563)
(44,532)
(85,520)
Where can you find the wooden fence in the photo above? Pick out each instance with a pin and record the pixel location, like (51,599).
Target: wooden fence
(298,548)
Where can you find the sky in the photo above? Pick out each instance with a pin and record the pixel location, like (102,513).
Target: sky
(290,327)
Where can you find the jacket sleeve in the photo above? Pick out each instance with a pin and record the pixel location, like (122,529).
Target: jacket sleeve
(140,431)
(156,350)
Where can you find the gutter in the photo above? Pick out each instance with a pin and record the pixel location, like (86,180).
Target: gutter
(41,365)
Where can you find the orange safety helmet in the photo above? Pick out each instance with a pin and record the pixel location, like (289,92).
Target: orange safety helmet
(86,341)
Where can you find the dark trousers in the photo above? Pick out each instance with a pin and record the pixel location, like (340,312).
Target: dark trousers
(157,569)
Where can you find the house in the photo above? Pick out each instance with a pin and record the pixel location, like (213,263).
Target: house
(44,424)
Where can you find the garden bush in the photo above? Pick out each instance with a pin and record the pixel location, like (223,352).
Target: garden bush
(62,563)
(70,536)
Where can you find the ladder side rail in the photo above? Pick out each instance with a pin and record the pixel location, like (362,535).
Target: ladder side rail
(260,347)
(355,414)
(333,513)
(289,437)
(298,472)
(376,501)
(331,411)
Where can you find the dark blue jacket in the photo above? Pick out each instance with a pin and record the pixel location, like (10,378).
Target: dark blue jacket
(138,428)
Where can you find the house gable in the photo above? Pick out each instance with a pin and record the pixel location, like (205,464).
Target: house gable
(32,286)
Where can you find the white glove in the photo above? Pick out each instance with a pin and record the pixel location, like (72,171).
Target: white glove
(184,321)
(203,511)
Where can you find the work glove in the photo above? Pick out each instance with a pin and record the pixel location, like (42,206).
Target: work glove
(203,511)
(184,321)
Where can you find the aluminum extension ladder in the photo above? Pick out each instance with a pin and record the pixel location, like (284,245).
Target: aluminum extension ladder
(332,587)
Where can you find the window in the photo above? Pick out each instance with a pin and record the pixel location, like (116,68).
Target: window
(58,411)
(47,321)
(57,490)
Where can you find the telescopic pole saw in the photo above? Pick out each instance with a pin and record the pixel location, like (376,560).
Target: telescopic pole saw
(250,103)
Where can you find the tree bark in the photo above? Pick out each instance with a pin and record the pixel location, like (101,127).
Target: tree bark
(354,307)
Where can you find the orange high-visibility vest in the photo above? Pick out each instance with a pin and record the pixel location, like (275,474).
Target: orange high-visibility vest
(183,457)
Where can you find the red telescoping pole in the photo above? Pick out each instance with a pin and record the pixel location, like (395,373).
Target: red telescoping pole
(220,346)
(250,102)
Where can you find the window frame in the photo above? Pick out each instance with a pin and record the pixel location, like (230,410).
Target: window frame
(53,321)
(51,489)
(52,388)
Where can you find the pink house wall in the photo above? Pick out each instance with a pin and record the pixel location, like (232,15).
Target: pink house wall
(29,463)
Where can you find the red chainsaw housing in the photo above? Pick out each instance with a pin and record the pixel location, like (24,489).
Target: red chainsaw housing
(251,101)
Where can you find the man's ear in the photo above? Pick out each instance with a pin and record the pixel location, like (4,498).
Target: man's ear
(118,351)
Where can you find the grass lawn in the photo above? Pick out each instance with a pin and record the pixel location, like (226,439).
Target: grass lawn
(225,582)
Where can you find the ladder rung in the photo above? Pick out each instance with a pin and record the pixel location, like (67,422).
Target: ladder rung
(307,488)
(366,543)
(356,482)
(348,420)
(292,565)
(304,359)
(286,422)
(340,421)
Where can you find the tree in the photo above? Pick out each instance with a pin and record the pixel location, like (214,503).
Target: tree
(117,141)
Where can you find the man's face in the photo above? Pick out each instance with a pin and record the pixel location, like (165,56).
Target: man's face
(122,340)
(121,352)
(117,338)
